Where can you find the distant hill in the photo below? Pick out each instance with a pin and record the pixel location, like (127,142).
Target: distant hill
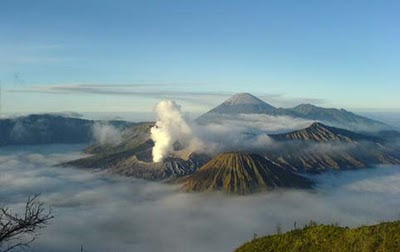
(319,132)
(338,117)
(130,163)
(242,173)
(245,103)
(319,148)
(48,129)
(330,238)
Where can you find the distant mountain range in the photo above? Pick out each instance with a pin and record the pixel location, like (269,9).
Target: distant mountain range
(313,149)
(48,129)
(60,128)
(245,103)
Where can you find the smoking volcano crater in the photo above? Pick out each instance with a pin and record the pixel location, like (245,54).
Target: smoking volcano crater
(242,156)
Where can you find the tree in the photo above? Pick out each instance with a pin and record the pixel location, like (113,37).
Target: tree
(19,230)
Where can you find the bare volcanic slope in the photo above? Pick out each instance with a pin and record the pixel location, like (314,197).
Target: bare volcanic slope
(320,132)
(242,173)
(133,158)
(319,148)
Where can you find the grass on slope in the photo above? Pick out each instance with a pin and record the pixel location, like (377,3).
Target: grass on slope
(380,237)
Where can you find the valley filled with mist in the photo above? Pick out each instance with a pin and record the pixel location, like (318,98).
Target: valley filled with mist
(103,212)
(242,170)
(199,126)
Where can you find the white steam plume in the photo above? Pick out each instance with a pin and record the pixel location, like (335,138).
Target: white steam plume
(170,127)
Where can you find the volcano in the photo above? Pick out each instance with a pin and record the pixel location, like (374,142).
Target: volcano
(242,173)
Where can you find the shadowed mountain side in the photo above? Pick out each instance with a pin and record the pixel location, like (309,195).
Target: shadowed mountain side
(49,129)
(242,174)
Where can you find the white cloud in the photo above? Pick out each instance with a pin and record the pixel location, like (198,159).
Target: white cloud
(105,133)
(107,213)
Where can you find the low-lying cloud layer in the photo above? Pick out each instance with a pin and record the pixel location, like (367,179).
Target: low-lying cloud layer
(225,133)
(105,213)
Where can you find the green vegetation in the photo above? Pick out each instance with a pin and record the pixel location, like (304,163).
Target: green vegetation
(380,237)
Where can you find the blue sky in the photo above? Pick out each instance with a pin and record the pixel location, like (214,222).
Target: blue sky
(126,55)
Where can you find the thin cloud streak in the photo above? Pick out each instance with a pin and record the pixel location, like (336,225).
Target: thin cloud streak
(154,90)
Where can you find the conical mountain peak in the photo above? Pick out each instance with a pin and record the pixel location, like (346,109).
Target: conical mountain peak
(242,103)
(243,98)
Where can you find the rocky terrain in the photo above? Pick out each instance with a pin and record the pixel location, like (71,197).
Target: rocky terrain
(314,149)
(132,157)
(320,148)
(242,173)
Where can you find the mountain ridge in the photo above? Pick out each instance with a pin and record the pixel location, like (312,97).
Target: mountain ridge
(51,128)
(320,132)
(331,116)
(314,149)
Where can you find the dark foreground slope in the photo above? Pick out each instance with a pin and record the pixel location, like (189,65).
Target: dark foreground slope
(242,173)
(328,238)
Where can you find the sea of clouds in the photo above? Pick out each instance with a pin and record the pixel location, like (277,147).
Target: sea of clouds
(108,213)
